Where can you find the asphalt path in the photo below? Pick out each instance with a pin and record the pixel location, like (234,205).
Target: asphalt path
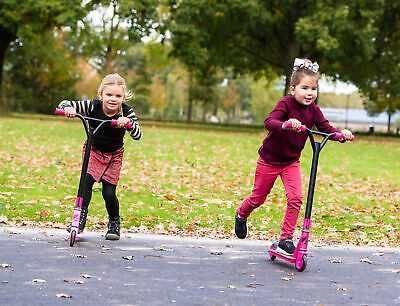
(38,267)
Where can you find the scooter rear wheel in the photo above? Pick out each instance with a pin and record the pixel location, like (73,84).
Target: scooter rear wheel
(303,264)
(72,238)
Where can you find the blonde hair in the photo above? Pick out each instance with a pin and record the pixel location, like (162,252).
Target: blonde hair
(115,79)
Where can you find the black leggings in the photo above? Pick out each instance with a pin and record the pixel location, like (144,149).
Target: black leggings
(109,195)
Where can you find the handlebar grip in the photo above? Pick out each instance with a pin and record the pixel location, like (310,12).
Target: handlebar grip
(302,128)
(114,123)
(59,112)
(338,136)
(129,125)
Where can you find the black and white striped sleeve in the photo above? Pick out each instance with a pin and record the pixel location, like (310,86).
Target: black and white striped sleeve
(135,132)
(81,107)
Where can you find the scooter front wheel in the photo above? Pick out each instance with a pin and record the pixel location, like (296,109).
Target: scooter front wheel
(72,238)
(303,264)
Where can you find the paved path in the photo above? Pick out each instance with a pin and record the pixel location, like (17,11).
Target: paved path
(36,265)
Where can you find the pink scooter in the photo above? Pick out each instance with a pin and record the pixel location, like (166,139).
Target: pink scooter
(299,257)
(90,133)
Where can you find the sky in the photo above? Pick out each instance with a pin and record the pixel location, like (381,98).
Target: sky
(326,85)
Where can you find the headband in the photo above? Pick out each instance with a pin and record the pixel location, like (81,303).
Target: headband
(306,64)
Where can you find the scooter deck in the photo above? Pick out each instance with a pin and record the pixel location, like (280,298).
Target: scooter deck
(286,257)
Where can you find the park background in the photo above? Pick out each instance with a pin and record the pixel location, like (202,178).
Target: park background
(205,74)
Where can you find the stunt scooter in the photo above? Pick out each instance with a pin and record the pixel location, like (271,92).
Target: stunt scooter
(90,133)
(299,257)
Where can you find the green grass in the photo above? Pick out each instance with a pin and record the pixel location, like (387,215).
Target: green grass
(189,182)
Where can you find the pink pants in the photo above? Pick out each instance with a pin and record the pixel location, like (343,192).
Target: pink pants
(265,177)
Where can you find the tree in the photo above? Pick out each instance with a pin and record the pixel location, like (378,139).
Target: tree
(263,37)
(264,96)
(158,101)
(230,100)
(380,82)
(111,28)
(39,72)
(203,72)
(20,19)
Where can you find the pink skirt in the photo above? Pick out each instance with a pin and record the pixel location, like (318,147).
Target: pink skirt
(105,166)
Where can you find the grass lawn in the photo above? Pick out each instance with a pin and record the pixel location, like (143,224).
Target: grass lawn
(189,182)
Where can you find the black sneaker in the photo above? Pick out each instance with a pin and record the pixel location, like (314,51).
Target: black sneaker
(240,227)
(82,220)
(287,246)
(113,229)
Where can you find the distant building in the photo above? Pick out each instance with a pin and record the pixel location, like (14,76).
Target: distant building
(358,119)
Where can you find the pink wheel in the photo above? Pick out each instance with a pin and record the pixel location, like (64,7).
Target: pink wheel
(303,263)
(72,238)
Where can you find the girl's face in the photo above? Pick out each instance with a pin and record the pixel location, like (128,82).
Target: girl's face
(306,91)
(112,96)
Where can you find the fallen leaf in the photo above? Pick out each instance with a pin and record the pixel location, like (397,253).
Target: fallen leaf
(342,289)
(158,256)
(366,260)
(86,276)
(216,253)
(5,265)
(39,281)
(3,219)
(44,213)
(254,285)
(170,197)
(163,248)
(129,257)
(63,295)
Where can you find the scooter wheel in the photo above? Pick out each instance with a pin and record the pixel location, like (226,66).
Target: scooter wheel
(272,257)
(72,238)
(303,264)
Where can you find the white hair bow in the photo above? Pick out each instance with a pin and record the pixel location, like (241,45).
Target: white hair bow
(307,64)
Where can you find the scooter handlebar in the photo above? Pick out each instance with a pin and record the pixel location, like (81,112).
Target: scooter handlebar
(336,136)
(113,122)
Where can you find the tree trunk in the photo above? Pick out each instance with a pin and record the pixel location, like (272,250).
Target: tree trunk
(203,116)
(288,74)
(190,100)
(3,102)
(6,37)
(389,121)
(215,109)
(292,53)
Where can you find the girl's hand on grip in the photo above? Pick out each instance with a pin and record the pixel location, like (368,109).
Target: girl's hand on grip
(122,122)
(347,134)
(292,124)
(69,112)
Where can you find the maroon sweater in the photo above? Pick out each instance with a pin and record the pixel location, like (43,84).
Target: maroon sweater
(282,147)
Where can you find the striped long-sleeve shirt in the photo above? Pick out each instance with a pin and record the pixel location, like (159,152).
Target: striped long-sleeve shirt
(108,139)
